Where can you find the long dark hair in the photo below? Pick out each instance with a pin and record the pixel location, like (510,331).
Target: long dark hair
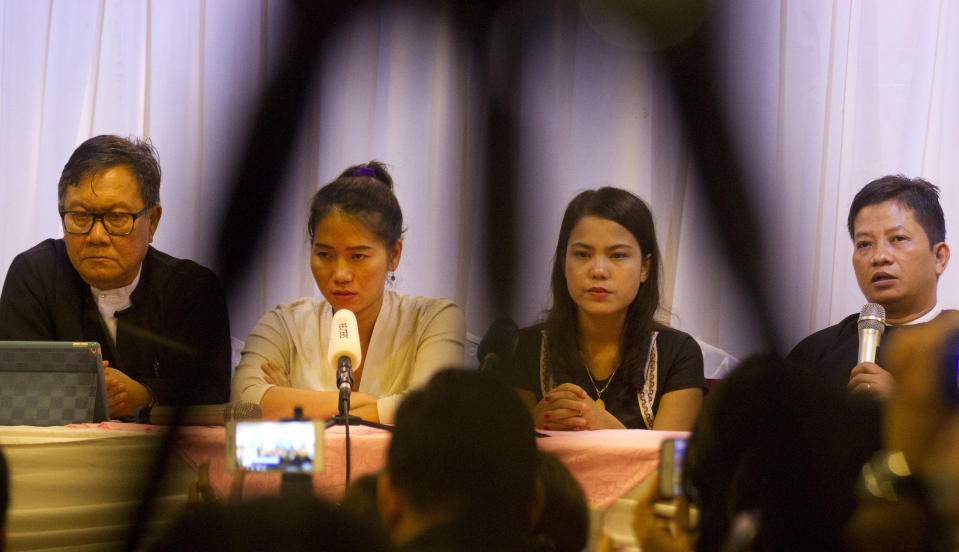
(562,323)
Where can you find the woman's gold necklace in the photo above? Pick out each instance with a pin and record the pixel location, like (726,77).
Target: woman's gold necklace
(599,392)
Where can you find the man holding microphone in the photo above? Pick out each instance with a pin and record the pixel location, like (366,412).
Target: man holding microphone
(899,232)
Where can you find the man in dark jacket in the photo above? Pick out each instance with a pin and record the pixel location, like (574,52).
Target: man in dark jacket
(899,251)
(162,322)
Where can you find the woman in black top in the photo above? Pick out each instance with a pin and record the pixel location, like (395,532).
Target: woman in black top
(599,360)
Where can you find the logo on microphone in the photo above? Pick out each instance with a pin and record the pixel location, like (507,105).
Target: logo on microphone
(343,329)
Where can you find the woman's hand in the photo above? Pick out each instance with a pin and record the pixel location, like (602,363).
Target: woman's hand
(274,375)
(568,407)
(364,405)
(278,403)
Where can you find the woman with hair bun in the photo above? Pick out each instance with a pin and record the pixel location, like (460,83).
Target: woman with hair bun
(356,233)
(600,360)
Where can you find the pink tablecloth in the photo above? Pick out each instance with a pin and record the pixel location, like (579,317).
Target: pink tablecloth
(609,462)
(606,463)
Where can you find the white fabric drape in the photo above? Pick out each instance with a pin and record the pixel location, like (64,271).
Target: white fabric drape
(828,96)
(824,96)
(75,488)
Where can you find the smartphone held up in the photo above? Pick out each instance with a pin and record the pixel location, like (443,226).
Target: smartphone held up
(290,446)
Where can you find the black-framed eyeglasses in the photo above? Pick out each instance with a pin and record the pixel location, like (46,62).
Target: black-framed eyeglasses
(116,224)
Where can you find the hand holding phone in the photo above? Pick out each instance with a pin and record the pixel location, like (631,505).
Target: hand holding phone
(671,455)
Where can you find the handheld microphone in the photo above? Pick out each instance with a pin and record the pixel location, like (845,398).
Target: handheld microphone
(344,353)
(207,414)
(872,324)
(498,344)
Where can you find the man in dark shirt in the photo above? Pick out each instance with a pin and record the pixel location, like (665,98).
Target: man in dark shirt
(161,322)
(899,232)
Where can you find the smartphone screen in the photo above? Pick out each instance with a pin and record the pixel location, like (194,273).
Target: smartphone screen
(671,456)
(288,446)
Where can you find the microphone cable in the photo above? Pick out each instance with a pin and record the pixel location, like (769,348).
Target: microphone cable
(345,412)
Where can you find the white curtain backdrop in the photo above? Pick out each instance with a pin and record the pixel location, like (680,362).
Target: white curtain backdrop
(828,96)
(824,96)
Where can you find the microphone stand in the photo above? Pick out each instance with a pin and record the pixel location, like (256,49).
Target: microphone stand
(349,419)
(486,363)
(344,374)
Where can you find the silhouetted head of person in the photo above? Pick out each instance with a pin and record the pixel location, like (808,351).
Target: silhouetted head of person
(463,454)
(563,517)
(360,499)
(275,523)
(775,440)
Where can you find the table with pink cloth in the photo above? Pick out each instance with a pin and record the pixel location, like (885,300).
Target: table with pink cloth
(607,463)
(74,487)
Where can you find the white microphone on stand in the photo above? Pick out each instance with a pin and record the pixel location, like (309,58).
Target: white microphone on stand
(344,353)
(872,324)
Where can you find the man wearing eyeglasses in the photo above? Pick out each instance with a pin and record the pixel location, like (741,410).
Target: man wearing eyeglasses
(161,321)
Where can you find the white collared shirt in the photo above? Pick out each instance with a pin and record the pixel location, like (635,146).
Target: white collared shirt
(109,301)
